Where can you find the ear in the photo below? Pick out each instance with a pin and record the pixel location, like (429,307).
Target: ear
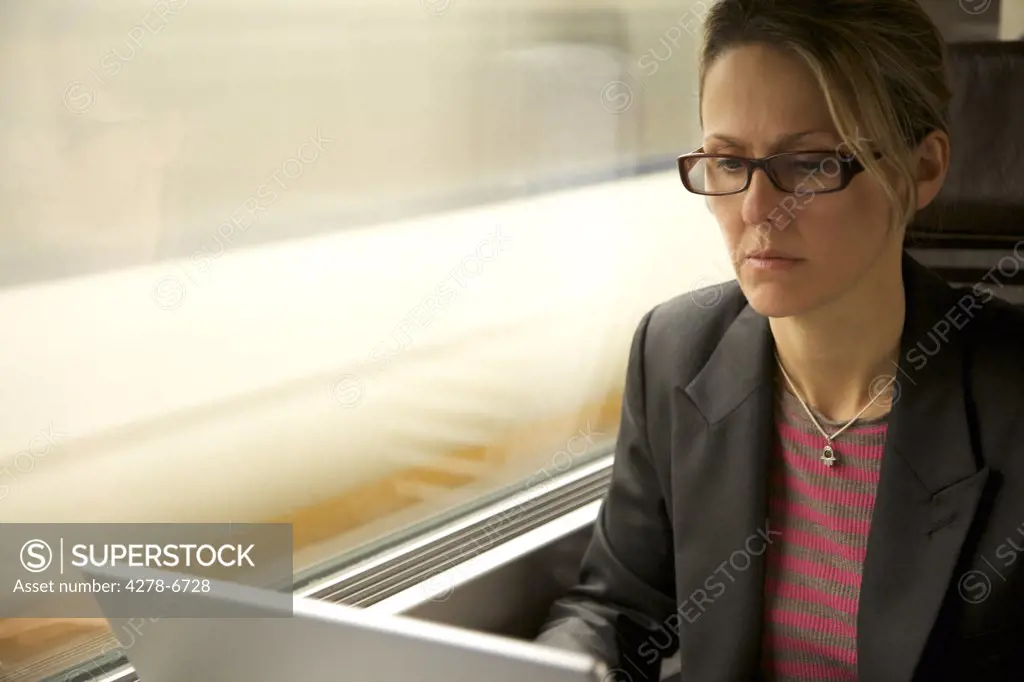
(931,166)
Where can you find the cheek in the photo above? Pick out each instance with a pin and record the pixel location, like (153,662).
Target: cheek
(849,221)
(727,213)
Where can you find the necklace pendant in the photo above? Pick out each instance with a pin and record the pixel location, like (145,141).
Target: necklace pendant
(828,456)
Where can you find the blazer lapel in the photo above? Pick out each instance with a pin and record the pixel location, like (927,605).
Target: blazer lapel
(928,491)
(721,444)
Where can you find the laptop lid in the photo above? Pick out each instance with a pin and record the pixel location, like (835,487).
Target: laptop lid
(262,636)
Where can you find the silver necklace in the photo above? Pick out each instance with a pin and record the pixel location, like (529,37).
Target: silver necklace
(828,455)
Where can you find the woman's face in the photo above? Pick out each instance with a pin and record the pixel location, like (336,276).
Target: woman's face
(757,102)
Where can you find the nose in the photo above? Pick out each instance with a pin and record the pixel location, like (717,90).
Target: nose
(761,200)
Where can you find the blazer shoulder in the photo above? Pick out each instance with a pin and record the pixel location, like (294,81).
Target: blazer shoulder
(684,331)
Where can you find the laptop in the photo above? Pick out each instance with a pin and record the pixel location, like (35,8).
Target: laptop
(276,637)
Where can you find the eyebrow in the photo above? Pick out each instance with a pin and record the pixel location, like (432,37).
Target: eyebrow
(781,141)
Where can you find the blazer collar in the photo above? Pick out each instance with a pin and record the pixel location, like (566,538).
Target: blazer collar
(739,365)
(929,382)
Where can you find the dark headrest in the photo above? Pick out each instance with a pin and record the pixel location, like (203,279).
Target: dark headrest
(984,192)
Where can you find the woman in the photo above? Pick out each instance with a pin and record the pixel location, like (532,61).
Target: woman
(822,476)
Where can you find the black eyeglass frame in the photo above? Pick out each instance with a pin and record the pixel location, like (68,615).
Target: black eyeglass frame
(849,168)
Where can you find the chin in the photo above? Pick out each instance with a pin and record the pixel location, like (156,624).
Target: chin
(777,300)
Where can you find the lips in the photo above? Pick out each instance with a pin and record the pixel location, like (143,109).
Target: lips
(770,254)
(770,261)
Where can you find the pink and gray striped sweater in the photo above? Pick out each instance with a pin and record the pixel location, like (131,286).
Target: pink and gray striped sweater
(812,583)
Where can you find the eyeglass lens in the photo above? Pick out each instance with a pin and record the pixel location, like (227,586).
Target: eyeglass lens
(725,175)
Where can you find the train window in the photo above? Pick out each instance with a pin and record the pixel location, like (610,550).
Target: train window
(358,266)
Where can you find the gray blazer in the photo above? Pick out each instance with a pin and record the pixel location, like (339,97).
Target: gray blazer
(675,558)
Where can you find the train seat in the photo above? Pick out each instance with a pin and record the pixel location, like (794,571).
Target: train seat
(974,230)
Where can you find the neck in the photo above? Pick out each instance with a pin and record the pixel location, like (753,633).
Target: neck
(842,355)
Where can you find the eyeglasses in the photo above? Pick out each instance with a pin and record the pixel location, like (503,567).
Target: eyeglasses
(790,172)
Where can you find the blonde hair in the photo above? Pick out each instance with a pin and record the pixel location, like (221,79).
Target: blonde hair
(880,63)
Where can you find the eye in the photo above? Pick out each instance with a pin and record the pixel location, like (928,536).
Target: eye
(729,165)
(809,162)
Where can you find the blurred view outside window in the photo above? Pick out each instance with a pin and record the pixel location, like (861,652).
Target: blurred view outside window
(346,264)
